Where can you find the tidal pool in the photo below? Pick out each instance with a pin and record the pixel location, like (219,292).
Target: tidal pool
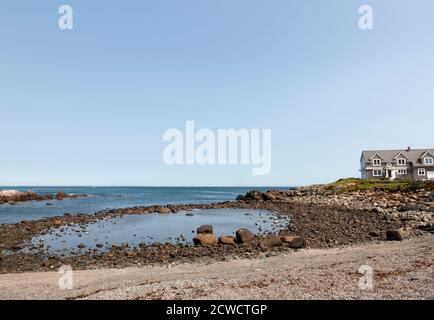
(155,227)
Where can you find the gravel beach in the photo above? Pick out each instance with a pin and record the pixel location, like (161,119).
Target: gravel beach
(401,270)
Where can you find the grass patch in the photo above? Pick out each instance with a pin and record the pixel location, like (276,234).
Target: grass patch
(354,184)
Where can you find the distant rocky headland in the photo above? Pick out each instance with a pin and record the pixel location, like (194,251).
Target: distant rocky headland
(13,196)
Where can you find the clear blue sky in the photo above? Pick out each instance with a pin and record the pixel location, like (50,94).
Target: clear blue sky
(89,106)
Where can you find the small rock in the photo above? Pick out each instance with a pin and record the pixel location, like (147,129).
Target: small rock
(227,240)
(374,234)
(207,228)
(244,235)
(130,253)
(164,210)
(205,239)
(293,241)
(397,234)
(270,241)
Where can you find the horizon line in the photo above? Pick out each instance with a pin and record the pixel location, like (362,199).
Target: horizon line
(149,186)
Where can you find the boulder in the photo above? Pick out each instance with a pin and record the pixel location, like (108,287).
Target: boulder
(10,193)
(164,210)
(204,229)
(240,198)
(269,196)
(254,195)
(227,240)
(205,239)
(61,196)
(273,240)
(244,235)
(397,234)
(293,241)
(270,241)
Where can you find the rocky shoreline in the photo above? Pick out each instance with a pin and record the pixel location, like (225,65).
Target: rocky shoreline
(318,219)
(13,196)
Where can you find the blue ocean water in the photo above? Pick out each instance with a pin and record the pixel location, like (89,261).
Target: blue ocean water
(113,197)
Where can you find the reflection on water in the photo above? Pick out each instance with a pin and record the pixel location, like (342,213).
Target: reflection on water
(154,227)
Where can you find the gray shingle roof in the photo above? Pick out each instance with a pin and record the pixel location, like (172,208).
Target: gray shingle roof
(389,155)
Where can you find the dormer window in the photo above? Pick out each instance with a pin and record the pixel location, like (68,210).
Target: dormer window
(402,161)
(376,162)
(428,161)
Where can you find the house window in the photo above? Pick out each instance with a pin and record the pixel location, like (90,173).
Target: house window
(421,172)
(402,171)
(402,162)
(376,162)
(377,173)
(428,161)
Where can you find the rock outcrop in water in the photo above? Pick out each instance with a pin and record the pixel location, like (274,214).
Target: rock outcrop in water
(204,229)
(12,196)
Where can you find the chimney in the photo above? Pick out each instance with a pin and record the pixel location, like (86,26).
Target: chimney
(408,148)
